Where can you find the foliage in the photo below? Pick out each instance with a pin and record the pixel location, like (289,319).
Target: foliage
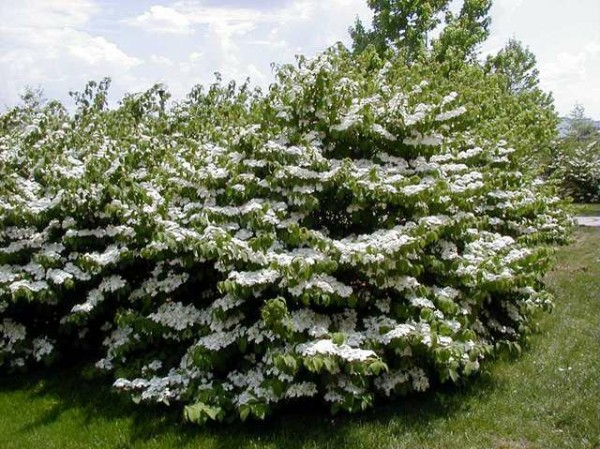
(403,24)
(459,40)
(407,26)
(348,235)
(577,171)
(528,118)
(580,127)
(576,162)
(585,209)
(504,90)
(518,64)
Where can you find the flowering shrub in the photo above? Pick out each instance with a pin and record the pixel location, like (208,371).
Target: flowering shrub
(576,168)
(342,237)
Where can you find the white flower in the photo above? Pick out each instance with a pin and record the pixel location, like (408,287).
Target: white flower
(57,276)
(178,316)
(328,347)
(378,129)
(112,284)
(34,287)
(388,381)
(447,115)
(301,389)
(400,331)
(94,297)
(252,278)
(427,140)
(323,283)
(110,256)
(7,274)
(421,302)
(11,332)
(42,347)
(419,379)
(402,283)
(449,98)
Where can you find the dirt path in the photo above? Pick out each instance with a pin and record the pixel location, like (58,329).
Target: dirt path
(588,221)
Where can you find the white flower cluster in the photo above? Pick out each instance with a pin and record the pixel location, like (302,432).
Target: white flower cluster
(324,284)
(328,347)
(178,316)
(42,348)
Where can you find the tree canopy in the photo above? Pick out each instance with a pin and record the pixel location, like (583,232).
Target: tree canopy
(579,126)
(410,27)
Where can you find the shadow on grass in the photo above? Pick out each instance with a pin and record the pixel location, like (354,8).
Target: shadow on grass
(291,427)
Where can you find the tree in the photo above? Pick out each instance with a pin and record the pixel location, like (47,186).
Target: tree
(533,119)
(33,98)
(502,94)
(580,128)
(517,64)
(361,38)
(400,24)
(408,25)
(463,33)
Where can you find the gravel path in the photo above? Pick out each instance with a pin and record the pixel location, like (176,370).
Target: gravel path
(588,221)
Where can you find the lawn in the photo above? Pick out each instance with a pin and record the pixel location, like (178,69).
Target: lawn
(586,210)
(548,398)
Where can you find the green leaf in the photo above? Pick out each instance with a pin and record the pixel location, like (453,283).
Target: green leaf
(200,412)
(378,367)
(453,375)
(259,410)
(244,411)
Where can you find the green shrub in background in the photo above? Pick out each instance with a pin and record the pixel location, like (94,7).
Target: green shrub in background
(575,164)
(577,172)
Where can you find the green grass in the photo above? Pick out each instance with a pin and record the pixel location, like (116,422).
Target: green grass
(548,398)
(586,210)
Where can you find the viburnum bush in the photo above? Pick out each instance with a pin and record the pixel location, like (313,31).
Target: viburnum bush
(576,169)
(344,236)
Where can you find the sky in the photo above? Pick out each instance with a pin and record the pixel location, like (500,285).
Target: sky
(59,45)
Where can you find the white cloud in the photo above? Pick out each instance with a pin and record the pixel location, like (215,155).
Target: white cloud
(241,38)
(571,66)
(57,45)
(161,60)
(162,19)
(196,56)
(507,6)
(182,18)
(97,50)
(48,43)
(592,48)
(572,77)
(221,31)
(60,44)
(46,13)
(565,66)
